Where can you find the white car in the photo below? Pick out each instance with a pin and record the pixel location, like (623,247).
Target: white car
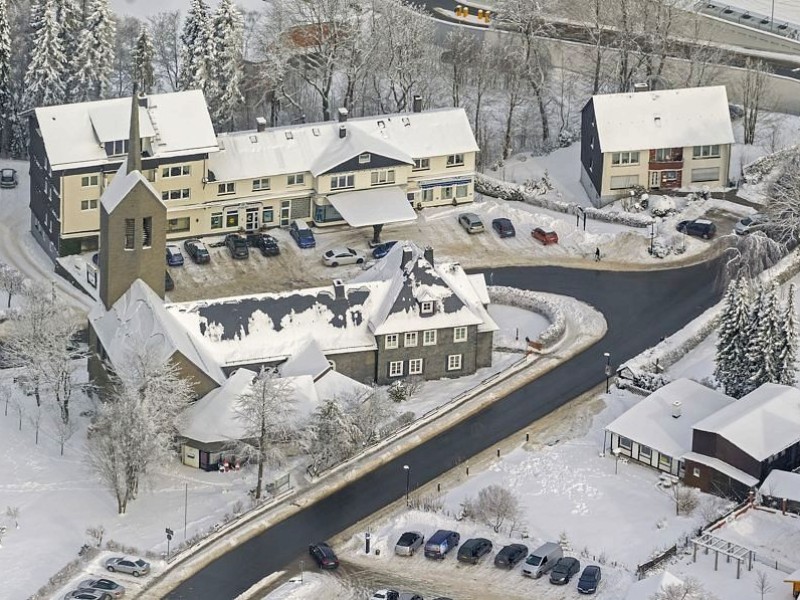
(749,224)
(343,256)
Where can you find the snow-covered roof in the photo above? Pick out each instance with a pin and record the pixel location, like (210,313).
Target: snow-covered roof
(650,422)
(722,467)
(308,360)
(334,384)
(317,147)
(645,589)
(139,318)
(178,124)
(782,484)
(374,206)
(663,119)
(762,423)
(121,186)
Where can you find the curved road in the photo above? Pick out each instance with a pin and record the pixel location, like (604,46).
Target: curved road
(640,308)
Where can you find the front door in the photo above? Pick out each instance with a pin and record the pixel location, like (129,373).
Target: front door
(655,179)
(204,460)
(286,207)
(251,219)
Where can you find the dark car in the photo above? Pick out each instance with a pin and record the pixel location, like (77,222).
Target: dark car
(590,579)
(504,227)
(545,236)
(699,227)
(382,250)
(8,178)
(441,542)
(473,550)
(302,234)
(564,570)
(510,556)
(266,243)
(197,251)
(237,246)
(174,256)
(323,555)
(169,284)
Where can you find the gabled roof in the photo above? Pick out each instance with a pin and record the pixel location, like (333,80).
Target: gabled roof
(74,134)
(307,147)
(139,319)
(308,360)
(782,484)
(762,423)
(663,119)
(121,185)
(650,421)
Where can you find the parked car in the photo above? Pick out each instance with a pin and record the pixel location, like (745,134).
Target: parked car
(564,570)
(542,560)
(104,585)
(395,595)
(440,543)
(174,256)
(342,256)
(127,564)
(237,246)
(749,224)
(382,250)
(471,222)
(197,251)
(302,234)
(169,284)
(699,228)
(323,555)
(510,556)
(8,178)
(409,543)
(264,242)
(87,595)
(590,579)
(504,227)
(545,236)
(473,550)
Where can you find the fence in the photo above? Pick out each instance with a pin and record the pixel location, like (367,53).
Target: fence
(642,569)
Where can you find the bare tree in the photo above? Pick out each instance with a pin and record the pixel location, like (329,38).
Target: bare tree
(753,92)
(62,430)
(459,53)
(96,535)
(513,88)
(762,583)
(35,418)
(783,207)
(165,31)
(11,281)
(685,499)
(494,506)
(690,589)
(368,414)
(12,512)
(121,76)
(656,18)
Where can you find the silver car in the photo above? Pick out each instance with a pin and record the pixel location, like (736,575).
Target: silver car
(87,595)
(409,543)
(749,224)
(103,585)
(127,564)
(471,222)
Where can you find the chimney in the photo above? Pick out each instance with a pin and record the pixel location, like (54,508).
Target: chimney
(416,104)
(342,131)
(134,137)
(676,409)
(407,254)
(429,254)
(143,101)
(342,115)
(641,87)
(261,124)
(338,289)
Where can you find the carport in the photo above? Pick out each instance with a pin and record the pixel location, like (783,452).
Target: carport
(375,207)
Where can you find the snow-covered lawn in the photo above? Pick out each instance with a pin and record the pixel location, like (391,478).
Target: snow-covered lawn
(772,535)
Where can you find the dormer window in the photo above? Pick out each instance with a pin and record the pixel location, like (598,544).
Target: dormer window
(426,307)
(117,148)
(364,159)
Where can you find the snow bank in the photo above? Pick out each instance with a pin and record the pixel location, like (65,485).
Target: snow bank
(536,302)
(759,169)
(495,188)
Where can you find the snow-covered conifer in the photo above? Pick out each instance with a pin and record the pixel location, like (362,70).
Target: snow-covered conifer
(69,15)
(224,78)
(46,74)
(5,65)
(332,435)
(787,347)
(369,413)
(94,54)
(196,47)
(765,340)
(731,356)
(143,73)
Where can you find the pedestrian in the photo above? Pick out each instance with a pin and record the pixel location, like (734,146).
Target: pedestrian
(597,254)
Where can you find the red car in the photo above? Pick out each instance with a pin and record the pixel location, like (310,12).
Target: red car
(546,236)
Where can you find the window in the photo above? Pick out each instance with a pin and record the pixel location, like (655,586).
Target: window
(224,189)
(363,159)
(455,160)
(415,366)
(179,171)
(664,462)
(382,177)
(421,164)
(427,195)
(708,174)
(117,148)
(695,472)
(232,219)
(410,339)
(625,443)
(426,307)
(706,151)
(670,176)
(88,204)
(396,368)
(623,182)
(181,194)
(460,334)
(667,155)
(89,181)
(447,192)
(392,341)
(267,215)
(429,337)
(130,233)
(644,452)
(260,185)
(216,220)
(296,179)
(147,232)
(625,158)
(454,362)
(181,224)
(462,191)
(340,182)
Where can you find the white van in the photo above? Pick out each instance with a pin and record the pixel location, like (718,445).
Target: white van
(542,560)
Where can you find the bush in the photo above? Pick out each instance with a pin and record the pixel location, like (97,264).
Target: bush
(662,206)
(495,506)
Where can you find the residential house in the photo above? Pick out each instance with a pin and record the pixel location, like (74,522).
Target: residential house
(660,140)
(781,489)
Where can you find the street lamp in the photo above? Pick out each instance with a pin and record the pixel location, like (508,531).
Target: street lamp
(652,235)
(608,368)
(408,481)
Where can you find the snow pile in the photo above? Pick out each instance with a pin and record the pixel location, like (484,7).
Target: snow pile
(758,170)
(536,302)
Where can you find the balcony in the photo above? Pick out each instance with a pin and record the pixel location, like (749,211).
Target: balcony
(666,159)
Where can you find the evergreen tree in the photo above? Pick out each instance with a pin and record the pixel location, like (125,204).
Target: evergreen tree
(764,340)
(196,47)
(94,55)
(731,357)
(787,347)
(44,79)
(18,126)
(5,74)
(223,90)
(332,435)
(143,74)
(69,16)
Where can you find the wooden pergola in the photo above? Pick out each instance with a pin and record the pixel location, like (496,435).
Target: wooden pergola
(728,549)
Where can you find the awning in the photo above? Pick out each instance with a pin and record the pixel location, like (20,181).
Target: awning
(373,207)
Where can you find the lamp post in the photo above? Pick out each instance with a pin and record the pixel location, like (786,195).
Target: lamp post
(652,236)
(608,369)
(616,460)
(408,480)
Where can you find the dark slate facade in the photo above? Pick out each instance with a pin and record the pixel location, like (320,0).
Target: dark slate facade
(591,153)
(376,161)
